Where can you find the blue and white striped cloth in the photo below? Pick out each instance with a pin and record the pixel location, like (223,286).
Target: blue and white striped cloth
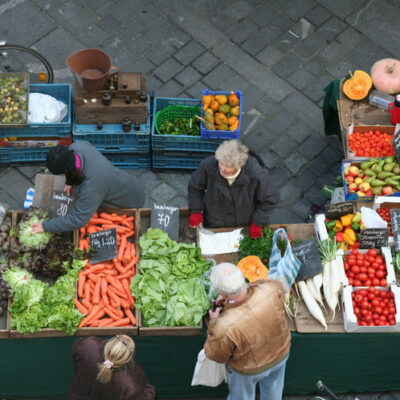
(29,198)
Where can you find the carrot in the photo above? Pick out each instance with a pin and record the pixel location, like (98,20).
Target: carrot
(87,291)
(113,297)
(104,321)
(80,307)
(121,322)
(94,268)
(96,292)
(114,282)
(110,272)
(126,274)
(94,221)
(82,232)
(119,293)
(93,277)
(128,224)
(114,304)
(90,316)
(81,284)
(130,265)
(119,267)
(100,313)
(91,229)
(131,218)
(114,313)
(82,244)
(105,298)
(125,285)
(87,304)
(112,218)
(121,249)
(130,315)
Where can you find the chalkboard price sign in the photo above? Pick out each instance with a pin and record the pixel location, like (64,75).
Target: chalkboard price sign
(166,218)
(308,253)
(373,238)
(335,211)
(3,211)
(395,220)
(104,244)
(60,204)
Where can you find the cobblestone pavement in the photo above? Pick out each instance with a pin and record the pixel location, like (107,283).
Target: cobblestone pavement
(280,53)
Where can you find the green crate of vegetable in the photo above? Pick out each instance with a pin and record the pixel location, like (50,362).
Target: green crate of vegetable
(178,120)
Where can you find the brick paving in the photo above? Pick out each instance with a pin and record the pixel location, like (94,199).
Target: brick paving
(280,53)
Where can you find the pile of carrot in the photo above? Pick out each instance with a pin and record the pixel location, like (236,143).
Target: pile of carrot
(104,295)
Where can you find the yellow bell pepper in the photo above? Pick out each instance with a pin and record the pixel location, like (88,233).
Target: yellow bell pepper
(357,217)
(338,226)
(343,246)
(347,219)
(349,236)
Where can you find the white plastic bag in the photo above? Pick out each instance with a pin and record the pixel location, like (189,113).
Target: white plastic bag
(371,219)
(44,108)
(208,372)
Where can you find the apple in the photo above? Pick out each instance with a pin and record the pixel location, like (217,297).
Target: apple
(387,190)
(364,186)
(369,193)
(349,179)
(360,193)
(353,187)
(346,171)
(353,170)
(359,180)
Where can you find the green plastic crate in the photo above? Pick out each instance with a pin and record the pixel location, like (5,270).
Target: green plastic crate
(171,112)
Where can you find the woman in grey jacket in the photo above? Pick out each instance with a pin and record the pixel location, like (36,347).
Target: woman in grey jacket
(231,189)
(94,180)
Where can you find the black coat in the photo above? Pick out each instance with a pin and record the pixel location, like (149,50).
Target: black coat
(128,383)
(249,199)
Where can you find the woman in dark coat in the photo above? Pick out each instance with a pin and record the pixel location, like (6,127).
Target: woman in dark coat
(231,189)
(108,370)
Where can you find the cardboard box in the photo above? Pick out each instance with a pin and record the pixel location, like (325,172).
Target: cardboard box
(350,319)
(391,130)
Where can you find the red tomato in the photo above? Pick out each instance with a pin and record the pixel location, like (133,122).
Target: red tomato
(375,282)
(380,274)
(372,252)
(383,282)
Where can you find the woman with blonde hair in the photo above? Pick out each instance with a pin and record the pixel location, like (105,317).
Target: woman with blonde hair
(108,370)
(232,189)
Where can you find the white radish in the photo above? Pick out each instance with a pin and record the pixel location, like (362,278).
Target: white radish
(311,303)
(335,285)
(326,277)
(317,279)
(314,292)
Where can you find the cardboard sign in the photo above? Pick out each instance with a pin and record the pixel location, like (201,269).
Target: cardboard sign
(374,238)
(395,220)
(104,244)
(49,195)
(308,253)
(337,210)
(166,217)
(3,211)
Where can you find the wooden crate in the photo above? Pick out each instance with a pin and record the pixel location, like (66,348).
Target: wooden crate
(104,331)
(187,235)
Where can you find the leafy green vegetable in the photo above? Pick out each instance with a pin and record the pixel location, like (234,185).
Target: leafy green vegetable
(36,305)
(180,126)
(16,277)
(260,247)
(169,290)
(30,240)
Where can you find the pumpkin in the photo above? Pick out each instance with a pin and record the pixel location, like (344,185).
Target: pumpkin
(385,75)
(252,268)
(358,85)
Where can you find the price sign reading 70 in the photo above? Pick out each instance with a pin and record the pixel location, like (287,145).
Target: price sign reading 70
(165,217)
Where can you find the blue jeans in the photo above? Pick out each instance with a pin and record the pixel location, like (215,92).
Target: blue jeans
(243,387)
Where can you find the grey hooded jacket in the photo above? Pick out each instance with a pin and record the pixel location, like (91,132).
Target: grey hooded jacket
(104,185)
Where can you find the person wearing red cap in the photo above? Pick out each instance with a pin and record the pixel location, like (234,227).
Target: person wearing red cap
(231,189)
(94,180)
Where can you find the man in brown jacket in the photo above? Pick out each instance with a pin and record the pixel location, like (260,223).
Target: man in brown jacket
(248,331)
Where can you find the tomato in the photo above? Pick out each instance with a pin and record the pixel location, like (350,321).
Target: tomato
(378,310)
(379,259)
(347,266)
(363,292)
(358,298)
(383,282)
(375,282)
(364,305)
(362,277)
(380,274)
(392,310)
(372,252)
(351,261)
(374,265)
(364,312)
(385,312)
(351,281)
(355,269)
(357,283)
(371,271)
(375,303)
(367,282)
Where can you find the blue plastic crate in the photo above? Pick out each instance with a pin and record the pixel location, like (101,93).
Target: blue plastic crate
(129,160)
(61,92)
(22,155)
(224,135)
(179,142)
(114,135)
(177,160)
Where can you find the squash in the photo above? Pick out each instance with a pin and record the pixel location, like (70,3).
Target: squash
(358,85)
(385,75)
(252,268)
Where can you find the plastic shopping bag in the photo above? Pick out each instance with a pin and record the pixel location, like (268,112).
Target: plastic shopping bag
(208,372)
(371,219)
(283,269)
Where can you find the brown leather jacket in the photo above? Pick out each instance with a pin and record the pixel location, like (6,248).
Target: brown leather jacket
(251,336)
(128,383)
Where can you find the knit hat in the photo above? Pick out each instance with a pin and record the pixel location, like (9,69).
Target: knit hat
(60,160)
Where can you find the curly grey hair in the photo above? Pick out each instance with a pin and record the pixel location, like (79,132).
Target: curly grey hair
(227,278)
(232,153)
